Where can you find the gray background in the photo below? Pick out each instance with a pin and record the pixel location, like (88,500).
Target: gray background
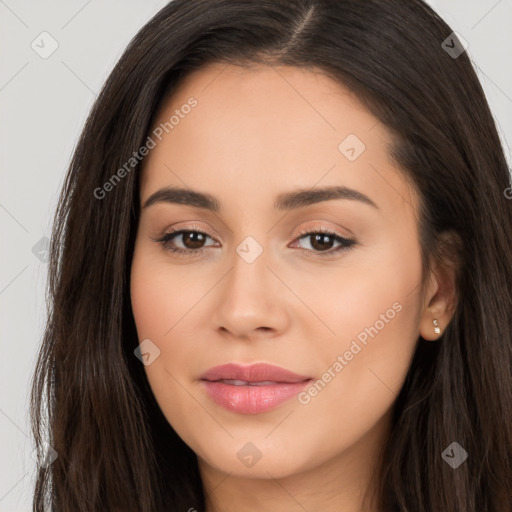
(43,105)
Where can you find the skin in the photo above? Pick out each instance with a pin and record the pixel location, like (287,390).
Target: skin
(256,133)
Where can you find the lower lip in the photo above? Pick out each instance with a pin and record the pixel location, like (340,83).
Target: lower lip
(252,399)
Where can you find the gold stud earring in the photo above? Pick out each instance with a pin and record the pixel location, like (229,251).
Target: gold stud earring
(436,326)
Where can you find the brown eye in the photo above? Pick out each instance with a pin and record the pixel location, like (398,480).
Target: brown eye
(192,240)
(321,242)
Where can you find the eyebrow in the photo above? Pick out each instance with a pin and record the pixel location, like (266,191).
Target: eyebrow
(285,201)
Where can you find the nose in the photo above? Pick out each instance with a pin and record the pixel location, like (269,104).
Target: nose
(252,299)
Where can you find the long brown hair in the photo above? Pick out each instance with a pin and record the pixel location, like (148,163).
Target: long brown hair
(91,401)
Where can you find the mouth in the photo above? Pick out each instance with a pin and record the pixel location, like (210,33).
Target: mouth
(235,373)
(233,382)
(252,389)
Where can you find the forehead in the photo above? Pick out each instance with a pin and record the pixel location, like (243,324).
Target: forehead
(267,128)
(234,96)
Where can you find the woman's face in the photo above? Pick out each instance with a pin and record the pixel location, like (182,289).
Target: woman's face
(253,288)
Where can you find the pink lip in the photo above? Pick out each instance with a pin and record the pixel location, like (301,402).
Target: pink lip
(258,372)
(252,399)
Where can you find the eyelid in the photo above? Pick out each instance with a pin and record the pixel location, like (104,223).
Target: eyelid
(189,227)
(323,229)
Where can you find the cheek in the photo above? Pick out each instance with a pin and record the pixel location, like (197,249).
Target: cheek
(375,320)
(166,301)
(162,294)
(160,303)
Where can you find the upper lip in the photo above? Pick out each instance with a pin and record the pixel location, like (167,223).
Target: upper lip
(258,372)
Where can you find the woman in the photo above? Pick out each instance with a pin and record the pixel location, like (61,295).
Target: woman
(280,271)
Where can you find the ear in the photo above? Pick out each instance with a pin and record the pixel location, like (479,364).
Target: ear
(441,296)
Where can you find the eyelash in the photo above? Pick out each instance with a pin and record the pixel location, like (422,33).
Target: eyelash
(346,243)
